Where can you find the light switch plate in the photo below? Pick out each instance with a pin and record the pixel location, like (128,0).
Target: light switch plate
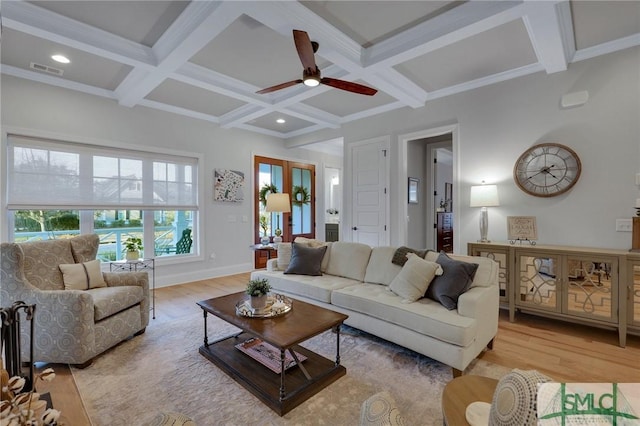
(624,225)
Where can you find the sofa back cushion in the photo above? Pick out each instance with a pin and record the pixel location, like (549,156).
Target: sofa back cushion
(348,260)
(380,269)
(284,253)
(41,260)
(486,274)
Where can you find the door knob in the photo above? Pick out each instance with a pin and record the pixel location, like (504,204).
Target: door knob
(355,228)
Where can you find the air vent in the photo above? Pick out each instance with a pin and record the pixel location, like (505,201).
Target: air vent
(46,68)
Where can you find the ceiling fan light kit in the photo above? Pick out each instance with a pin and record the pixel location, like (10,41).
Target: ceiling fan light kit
(311,73)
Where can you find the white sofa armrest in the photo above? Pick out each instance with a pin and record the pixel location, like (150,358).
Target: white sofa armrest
(480,302)
(272,265)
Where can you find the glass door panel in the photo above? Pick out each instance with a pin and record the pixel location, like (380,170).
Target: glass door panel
(538,279)
(589,289)
(302,218)
(635,296)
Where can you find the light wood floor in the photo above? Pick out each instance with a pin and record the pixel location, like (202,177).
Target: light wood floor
(566,352)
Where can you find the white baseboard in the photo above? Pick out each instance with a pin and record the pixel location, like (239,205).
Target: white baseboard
(168,280)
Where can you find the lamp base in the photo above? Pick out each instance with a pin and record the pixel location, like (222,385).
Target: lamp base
(277,240)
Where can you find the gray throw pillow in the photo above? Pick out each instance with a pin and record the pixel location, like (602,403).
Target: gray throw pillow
(400,256)
(456,279)
(306,260)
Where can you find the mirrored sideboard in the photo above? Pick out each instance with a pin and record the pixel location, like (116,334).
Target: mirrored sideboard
(598,287)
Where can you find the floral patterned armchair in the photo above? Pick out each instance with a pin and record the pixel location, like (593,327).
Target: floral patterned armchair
(71,326)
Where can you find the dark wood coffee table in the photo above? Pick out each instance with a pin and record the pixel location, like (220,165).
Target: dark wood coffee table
(285,391)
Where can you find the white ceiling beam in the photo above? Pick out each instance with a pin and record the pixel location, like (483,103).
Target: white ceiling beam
(547,35)
(196,26)
(315,115)
(464,21)
(608,47)
(391,81)
(285,16)
(179,110)
(57,81)
(213,81)
(36,21)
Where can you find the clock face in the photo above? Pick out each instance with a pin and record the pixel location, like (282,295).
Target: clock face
(547,169)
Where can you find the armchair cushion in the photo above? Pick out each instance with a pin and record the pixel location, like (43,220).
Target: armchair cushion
(82,276)
(111,300)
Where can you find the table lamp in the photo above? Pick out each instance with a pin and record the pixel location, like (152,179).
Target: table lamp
(278,203)
(484,196)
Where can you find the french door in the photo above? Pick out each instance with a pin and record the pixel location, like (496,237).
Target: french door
(297,180)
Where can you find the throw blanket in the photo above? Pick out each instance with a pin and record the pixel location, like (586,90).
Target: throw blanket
(400,256)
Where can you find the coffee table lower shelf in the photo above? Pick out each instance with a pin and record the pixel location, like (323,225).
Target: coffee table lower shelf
(264,383)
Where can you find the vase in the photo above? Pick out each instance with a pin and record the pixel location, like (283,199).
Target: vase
(132,255)
(259,302)
(264,240)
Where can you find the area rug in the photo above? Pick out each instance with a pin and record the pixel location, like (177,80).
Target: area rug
(162,371)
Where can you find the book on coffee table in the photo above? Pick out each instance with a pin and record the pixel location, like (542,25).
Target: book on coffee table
(267,354)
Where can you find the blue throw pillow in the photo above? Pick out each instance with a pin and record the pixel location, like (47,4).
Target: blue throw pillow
(305,260)
(456,278)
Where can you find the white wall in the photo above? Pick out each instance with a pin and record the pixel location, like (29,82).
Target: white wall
(498,122)
(75,116)
(417,213)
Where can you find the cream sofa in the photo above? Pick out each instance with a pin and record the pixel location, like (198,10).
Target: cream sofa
(356,281)
(71,326)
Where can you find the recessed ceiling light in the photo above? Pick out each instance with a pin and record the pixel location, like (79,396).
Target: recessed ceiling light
(61,58)
(281,121)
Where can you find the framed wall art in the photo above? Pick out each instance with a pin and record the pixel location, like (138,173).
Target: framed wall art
(228,185)
(413,190)
(521,228)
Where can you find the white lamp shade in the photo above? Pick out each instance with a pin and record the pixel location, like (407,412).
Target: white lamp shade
(278,203)
(484,196)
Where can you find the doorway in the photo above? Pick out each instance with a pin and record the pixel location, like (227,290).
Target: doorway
(429,156)
(272,175)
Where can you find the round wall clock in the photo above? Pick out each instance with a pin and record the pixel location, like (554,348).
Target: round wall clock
(547,169)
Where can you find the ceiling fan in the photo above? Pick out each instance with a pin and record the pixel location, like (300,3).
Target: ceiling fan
(311,73)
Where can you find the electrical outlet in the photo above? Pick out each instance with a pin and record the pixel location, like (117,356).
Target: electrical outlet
(624,225)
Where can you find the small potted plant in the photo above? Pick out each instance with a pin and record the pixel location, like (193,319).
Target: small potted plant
(258,290)
(132,246)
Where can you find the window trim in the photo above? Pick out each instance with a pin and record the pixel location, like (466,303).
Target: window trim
(7,221)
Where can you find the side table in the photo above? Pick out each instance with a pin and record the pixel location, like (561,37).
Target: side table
(269,249)
(462,391)
(144,265)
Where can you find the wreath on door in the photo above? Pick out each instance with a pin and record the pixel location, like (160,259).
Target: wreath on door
(268,188)
(300,196)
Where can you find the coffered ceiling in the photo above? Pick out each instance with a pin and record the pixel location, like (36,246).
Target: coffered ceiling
(206,60)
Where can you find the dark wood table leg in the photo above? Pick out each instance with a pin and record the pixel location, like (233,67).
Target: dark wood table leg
(282,359)
(206,338)
(338,345)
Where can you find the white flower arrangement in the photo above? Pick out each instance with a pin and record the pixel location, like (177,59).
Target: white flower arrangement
(19,408)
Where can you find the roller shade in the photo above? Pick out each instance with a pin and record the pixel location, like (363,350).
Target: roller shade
(52,174)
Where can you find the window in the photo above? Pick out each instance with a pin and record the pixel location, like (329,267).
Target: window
(60,189)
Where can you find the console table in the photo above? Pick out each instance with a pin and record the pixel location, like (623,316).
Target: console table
(592,286)
(143,265)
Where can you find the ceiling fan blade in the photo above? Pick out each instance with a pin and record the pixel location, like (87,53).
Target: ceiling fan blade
(305,49)
(348,86)
(279,86)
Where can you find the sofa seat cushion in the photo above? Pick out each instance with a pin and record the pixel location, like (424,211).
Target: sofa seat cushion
(424,316)
(111,300)
(314,287)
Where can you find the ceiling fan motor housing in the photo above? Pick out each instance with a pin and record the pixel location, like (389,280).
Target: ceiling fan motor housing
(311,77)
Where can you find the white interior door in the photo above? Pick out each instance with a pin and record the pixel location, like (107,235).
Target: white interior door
(370,199)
